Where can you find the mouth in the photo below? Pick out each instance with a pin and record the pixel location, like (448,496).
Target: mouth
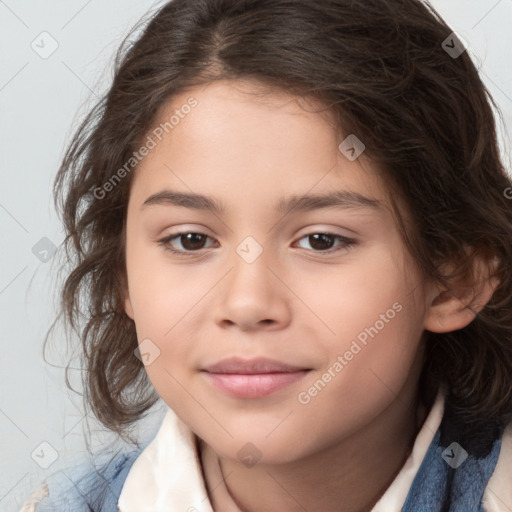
(253,378)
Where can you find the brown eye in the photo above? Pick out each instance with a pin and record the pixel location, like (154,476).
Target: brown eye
(192,241)
(324,242)
(189,242)
(321,241)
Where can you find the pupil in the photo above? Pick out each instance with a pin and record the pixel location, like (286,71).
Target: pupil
(320,236)
(193,240)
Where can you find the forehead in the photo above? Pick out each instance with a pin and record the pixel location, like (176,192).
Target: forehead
(246,142)
(247,116)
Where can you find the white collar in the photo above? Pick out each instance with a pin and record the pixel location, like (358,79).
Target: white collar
(167,475)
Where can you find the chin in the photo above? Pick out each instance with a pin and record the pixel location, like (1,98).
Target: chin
(250,449)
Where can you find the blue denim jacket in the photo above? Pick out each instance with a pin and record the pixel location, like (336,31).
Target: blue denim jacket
(87,487)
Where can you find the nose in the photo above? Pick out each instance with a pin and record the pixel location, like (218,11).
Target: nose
(253,296)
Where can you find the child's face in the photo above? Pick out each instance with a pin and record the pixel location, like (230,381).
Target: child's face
(353,318)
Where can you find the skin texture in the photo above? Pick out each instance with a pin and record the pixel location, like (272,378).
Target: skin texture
(294,303)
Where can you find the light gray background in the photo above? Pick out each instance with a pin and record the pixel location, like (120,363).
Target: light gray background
(41,102)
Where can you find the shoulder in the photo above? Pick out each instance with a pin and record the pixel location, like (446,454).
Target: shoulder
(498,494)
(87,486)
(34,498)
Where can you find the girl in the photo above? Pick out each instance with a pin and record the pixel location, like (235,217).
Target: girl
(289,221)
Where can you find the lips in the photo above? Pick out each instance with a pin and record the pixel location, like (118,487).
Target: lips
(251,366)
(254,378)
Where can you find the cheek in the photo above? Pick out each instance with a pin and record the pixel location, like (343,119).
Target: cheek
(163,294)
(341,301)
(163,299)
(168,322)
(366,315)
(362,378)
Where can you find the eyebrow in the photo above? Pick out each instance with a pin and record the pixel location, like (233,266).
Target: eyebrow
(342,199)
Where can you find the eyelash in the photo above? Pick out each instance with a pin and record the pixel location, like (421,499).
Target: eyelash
(346,242)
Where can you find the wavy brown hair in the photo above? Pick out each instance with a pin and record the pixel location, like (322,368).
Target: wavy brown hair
(378,65)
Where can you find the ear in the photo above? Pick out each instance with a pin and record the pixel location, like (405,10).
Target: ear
(128,309)
(455,308)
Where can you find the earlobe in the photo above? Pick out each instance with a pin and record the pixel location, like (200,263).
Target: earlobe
(456,308)
(128,307)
